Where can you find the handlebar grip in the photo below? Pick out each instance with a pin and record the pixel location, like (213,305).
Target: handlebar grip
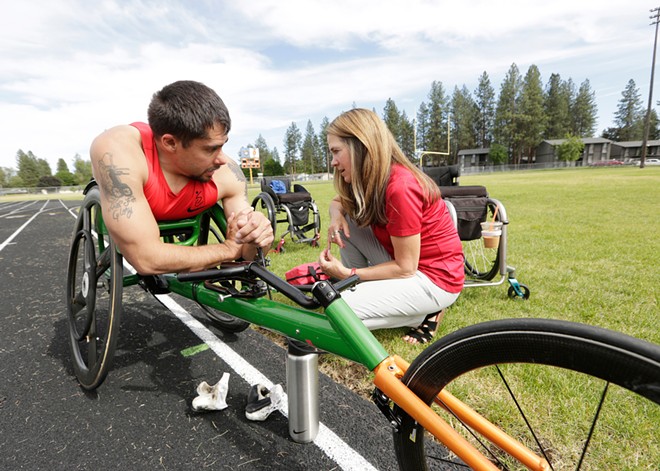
(346,283)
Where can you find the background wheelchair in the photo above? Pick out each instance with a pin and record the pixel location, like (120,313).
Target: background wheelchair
(485,251)
(292,207)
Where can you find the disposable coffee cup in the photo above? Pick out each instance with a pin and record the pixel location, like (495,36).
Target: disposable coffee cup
(491,231)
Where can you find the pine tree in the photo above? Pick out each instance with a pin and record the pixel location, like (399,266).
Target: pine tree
(654,133)
(584,111)
(392,118)
(324,153)
(407,137)
(270,164)
(629,117)
(264,153)
(485,111)
(507,113)
(463,118)
(438,110)
(400,127)
(421,128)
(531,124)
(309,150)
(556,106)
(292,142)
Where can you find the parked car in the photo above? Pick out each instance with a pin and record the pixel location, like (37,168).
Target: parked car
(606,163)
(651,162)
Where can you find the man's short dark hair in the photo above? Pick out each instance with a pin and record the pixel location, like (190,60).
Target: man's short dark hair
(187,110)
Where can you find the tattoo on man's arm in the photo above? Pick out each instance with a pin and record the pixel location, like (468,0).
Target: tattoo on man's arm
(239,175)
(117,192)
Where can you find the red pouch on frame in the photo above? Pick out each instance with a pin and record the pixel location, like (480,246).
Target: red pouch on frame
(305,274)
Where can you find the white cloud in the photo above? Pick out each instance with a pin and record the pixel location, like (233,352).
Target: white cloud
(69,69)
(337,23)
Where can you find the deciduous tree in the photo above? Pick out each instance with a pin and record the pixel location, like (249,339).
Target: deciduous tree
(28,168)
(64,175)
(83,170)
(571,149)
(498,154)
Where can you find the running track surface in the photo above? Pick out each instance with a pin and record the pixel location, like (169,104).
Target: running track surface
(141,416)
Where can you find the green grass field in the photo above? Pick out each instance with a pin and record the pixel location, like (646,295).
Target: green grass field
(585,241)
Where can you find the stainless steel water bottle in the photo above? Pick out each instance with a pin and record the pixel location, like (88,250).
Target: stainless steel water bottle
(302,379)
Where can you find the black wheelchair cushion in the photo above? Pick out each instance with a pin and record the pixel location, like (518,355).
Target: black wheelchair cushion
(296,197)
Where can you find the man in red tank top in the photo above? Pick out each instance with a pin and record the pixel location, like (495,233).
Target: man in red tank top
(174,168)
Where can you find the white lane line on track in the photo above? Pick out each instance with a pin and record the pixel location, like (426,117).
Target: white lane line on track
(327,441)
(18,210)
(18,231)
(74,214)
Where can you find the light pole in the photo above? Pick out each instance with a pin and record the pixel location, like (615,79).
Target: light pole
(647,121)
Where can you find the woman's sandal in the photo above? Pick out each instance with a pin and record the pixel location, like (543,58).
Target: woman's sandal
(424,332)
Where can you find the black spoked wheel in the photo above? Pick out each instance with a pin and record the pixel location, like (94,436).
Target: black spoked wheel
(210,233)
(585,397)
(482,256)
(94,292)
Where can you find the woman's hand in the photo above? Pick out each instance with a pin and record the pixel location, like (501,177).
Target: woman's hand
(332,266)
(338,225)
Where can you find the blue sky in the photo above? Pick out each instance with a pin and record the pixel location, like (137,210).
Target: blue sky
(70,68)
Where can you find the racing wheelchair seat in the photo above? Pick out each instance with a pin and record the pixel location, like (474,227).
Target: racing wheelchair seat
(293,207)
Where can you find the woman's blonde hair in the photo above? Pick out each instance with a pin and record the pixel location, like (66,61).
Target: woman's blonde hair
(373,150)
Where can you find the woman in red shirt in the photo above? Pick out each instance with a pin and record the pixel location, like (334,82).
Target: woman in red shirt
(393,229)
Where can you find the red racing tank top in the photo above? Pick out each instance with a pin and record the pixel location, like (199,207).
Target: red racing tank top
(194,198)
